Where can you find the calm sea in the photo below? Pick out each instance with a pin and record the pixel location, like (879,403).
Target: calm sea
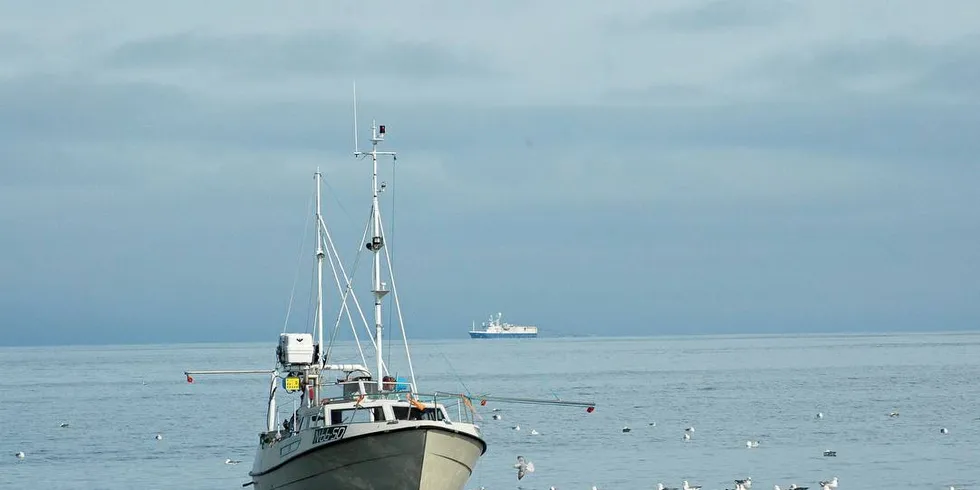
(731,389)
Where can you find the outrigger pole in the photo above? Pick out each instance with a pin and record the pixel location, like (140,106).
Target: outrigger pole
(233,371)
(589,406)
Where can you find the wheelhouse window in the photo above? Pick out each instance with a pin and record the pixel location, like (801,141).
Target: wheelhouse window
(412,413)
(357,415)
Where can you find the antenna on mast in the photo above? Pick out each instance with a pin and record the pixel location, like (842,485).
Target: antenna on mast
(379,288)
(356,152)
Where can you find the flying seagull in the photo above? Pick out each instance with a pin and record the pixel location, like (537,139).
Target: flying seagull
(523,467)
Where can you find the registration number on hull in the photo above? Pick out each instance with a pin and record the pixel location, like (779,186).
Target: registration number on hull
(329,434)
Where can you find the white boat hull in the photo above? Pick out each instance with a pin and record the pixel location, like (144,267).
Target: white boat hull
(404,456)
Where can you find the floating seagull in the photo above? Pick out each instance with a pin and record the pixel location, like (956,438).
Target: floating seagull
(63,425)
(661,486)
(751,443)
(746,483)
(829,485)
(497,417)
(516,427)
(819,415)
(689,429)
(943,431)
(523,467)
(689,487)
(232,461)
(652,424)
(159,437)
(687,436)
(19,454)
(893,414)
(496,410)
(626,429)
(830,454)
(534,432)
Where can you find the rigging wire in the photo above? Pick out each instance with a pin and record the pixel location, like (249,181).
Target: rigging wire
(388,245)
(299,263)
(345,292)
(333,247)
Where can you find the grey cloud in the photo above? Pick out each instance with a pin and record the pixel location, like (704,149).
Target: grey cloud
(893,67)
(320,53)
(54,121)
(708,15)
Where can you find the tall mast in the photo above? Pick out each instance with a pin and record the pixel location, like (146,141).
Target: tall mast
(377,242)
(319,271)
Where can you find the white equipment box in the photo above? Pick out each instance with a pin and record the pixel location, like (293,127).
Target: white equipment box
(295,348)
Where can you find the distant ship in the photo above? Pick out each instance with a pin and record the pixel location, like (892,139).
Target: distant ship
(497,329)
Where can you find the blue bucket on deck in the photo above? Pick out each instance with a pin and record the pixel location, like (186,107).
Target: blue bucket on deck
(401,384)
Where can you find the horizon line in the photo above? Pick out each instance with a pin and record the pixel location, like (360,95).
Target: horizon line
(880,333)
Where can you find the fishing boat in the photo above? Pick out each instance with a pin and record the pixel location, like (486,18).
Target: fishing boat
(353,427)
(496,328)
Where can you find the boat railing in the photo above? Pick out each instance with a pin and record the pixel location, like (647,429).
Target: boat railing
(463,405)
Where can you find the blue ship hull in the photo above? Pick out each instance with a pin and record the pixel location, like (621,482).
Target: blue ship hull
(484,335)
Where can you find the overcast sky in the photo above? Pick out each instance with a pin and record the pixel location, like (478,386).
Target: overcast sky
(606,168)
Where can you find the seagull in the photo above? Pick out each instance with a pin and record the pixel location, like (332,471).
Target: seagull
(523,467)
(534,432)
(943,431)
(516,427)
(159,437)
(689,487)
(829,485)
(893,414)
(19,454)
(819,415)
(63,425)
(497,417)
(746,483)
(751,443)
(626,428)
(830,453)
(687,436)
(661,486)
(689,429)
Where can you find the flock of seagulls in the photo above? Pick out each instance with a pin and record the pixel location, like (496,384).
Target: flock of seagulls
(64,425)
(524,466)
(746,484)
